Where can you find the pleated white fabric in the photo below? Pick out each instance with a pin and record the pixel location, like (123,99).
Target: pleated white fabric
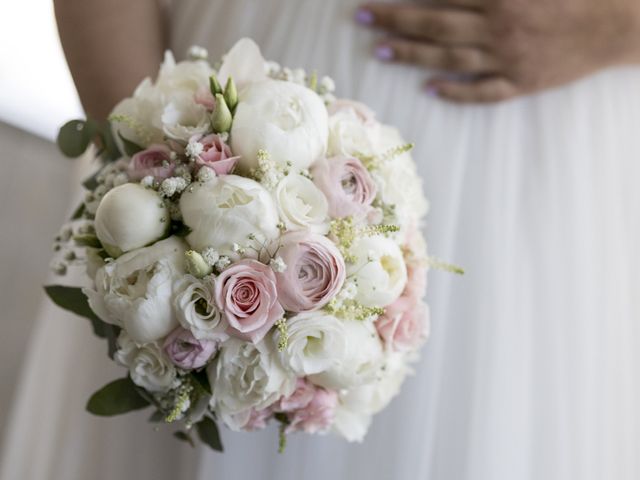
(530,370)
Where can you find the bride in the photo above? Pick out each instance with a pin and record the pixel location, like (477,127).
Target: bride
(530,370)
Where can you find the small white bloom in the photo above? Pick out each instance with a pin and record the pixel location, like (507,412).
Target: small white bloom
(301,204)
(222,263)
(379,270)
(148,181)
(211,256)
(196,52)
(193,149)
(148,366)
(206,174)
(196,309)
(129,217)
(277,264)
(327,84)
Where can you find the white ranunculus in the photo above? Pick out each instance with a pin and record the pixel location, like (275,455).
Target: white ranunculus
(129,217)
(379,271)
(245,376)
(316,342)
(360,362)
(301,204)
(225,211)
(196,308)
(136,290)
(148,366)
(287,120)
(350,136)
(165,107)
(398,181)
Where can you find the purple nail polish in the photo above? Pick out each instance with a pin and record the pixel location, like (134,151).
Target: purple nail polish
(364,16)
(384,52)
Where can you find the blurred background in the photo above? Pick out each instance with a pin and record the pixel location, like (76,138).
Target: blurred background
(36,96)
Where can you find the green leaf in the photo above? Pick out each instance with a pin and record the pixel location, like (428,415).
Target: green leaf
(115,398)
(157,417)
(110,147)
(130,148)
(202,380)
(91,183)
(185,437)
(73,300)
(180,230)
(208,433)
(78,212)
(75,136)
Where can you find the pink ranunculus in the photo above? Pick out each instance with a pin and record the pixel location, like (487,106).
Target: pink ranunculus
(404,325)
(317,415)
(314,273)
(186,351)
(154,161)
(258,419)
(247,294)
(216,155)
(416,287)
(204,97)
(347,184)
(364,113)
(300,398)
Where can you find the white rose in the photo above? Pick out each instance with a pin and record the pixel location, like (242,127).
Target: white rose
(349,135)
(379,271)
(225,211)
(398,181)
(136,290)
(129,217)
(196,309)
(148,366)
(244,377)
(289,121)
(182,118)
(301,204)
(316,342)
(359,363)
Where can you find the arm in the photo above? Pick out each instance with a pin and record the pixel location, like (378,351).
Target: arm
(110,47)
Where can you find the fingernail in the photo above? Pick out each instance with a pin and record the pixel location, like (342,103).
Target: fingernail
(384,52)
(431,90)
(364,16)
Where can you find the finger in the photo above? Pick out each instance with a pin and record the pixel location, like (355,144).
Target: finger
(473,4)
(442,25)
(451,59)
(483,90)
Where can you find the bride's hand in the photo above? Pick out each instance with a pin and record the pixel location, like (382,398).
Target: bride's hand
(498,49)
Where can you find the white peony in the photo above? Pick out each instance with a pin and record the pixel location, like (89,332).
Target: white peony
(166,107)
(196,308)
(349,421)
(136,290)
(129,217)
(225,211)
(379,271)
(244,63)
(398,181)
(359,363)
(245,377)
(301,204)
(148,366)
(287,120)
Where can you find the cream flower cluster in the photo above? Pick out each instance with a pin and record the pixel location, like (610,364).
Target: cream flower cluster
(257,247)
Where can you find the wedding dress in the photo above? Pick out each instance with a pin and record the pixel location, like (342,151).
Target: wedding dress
(530,370)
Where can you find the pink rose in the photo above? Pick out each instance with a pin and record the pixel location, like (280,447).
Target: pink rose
(404,325)
(204,97)
(311,409)
(154,161)
(186,351)
(216,155)
(314,273)
(363,113)
(346,183)
(246,292)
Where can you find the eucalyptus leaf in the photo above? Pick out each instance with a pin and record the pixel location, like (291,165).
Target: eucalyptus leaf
(73,300)
(78,212)
(75,136)
(115,398)
(185,437)
(110,152)
(157,417)
(208,433)
(91,183)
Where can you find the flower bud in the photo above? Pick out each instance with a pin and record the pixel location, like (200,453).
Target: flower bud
(222,118)
(214,85)
(231,94)
(196,265)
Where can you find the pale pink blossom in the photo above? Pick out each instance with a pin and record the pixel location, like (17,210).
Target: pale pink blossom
(216,155)
(154,161)
(186,351)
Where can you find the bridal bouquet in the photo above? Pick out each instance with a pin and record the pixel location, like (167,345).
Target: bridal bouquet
(253,251)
